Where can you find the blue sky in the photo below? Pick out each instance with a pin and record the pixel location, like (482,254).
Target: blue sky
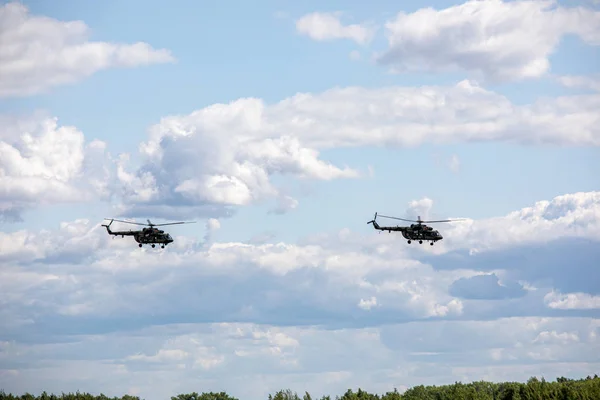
(489,116)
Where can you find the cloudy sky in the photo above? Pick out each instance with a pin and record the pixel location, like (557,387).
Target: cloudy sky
(281,128)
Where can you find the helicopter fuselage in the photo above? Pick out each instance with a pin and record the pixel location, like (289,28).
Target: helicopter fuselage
(151,236)
(420,232)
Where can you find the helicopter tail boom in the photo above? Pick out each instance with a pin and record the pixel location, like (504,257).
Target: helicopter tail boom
(108,226)
(375,224)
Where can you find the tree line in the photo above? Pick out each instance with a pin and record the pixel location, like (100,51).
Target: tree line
(534,389)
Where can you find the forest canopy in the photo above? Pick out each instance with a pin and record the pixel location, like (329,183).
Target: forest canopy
(534,389)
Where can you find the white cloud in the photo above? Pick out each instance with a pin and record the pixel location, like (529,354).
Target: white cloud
(350,268)
(212,225)
(183,351)
(226,154)
(180,310)
(254,360)
(486,287)
(39,53)
(570,301)
(454,163)
(43,163)
(221,156)
(571,215)
(497,40)
(419,208)
(555,337)
(327,26)
(368,304)
(493,341)
(410,116)
(284,204)
(317,274)
(575,81)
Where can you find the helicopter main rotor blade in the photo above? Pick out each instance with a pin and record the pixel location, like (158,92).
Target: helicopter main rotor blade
(445,220)
(175,223)
(127,222)
(401,219)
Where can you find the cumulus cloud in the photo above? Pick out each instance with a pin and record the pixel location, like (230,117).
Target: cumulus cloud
(591,82)
(212,225)
(225,155)
(368,304)
(419,208)
(254,360)
(327,26)
(572,301)
(218,158)
(410,116)
(497,40)
(573,215)
(485,287)
(215,282)
(181,351)
(38,53)
(355,270)
(495,342)
(43,163)
(224,308)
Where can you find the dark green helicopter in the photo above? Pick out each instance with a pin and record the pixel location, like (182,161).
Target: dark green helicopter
(418,231)
(149,235)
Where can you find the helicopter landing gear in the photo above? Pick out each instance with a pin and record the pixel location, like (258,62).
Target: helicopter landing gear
(410,241)
(431,244)
(420,242)
(162,246)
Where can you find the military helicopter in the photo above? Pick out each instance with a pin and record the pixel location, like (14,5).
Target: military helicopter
(149,235)
(418,231)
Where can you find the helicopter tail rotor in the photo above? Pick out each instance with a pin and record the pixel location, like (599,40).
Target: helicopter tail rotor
(373,220)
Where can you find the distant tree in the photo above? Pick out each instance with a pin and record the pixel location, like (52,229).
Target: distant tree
(204,396)
(587,388)
(287,394)
(359,395)
(395,395)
